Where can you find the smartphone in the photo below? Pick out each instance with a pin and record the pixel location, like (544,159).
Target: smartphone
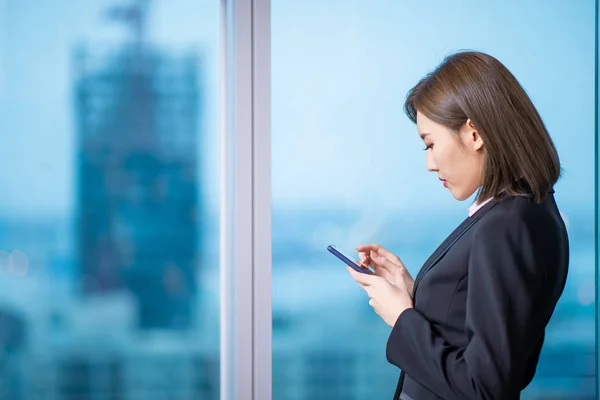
(347,260)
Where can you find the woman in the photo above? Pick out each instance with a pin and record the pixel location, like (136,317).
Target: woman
(471,325)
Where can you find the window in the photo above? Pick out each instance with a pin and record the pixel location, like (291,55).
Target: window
(347,170)
(109,222)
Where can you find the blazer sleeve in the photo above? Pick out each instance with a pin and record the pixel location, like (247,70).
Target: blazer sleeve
(504,281)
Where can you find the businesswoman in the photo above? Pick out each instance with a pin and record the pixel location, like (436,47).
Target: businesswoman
(471,325)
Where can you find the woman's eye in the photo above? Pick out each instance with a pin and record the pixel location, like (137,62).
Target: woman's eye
(428,147)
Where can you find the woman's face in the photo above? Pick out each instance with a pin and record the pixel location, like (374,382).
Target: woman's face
(458,160)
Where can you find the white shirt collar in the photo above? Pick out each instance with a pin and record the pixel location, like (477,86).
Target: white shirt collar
(476,206)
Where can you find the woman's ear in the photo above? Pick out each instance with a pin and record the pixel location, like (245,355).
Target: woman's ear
(475,139)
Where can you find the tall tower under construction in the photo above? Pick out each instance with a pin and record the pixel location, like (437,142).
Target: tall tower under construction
(137,116)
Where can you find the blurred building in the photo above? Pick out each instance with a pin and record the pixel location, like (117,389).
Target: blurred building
(137,124)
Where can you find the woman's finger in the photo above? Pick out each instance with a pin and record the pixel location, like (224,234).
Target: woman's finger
(373,303)
(390,256)
(382,272)
(378,249)
(369,248)
(384,262)
(364,258)
(363,279)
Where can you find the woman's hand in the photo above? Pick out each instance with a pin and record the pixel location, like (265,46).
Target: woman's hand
(388,299)
(385,264)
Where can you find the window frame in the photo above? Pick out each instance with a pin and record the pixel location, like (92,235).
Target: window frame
(245,221)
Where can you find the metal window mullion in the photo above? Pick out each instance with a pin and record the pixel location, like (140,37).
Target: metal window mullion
(261,67)
(236,202)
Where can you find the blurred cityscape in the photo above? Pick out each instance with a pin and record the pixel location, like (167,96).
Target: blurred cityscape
(86,346)
(137,202)
(118,281)
(119,300)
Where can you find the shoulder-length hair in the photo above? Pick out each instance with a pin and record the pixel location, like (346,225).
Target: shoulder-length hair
(519,151)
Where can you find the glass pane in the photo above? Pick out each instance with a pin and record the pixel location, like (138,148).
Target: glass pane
(109,213)
(347,170)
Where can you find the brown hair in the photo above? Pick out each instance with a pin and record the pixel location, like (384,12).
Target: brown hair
(519,152)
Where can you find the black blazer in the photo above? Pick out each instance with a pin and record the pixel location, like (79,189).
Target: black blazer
(481,304)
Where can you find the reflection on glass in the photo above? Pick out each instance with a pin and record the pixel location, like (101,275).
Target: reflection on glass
(109,237)
(347,170)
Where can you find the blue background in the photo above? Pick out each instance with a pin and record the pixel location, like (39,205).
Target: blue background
(347,168)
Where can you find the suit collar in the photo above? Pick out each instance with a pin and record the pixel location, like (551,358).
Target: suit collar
(451,240)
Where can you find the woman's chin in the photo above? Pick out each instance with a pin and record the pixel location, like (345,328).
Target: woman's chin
(459,195)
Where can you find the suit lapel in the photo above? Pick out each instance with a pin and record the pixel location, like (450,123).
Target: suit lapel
(449,242)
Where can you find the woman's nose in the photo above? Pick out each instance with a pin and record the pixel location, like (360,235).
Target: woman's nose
(430,162)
